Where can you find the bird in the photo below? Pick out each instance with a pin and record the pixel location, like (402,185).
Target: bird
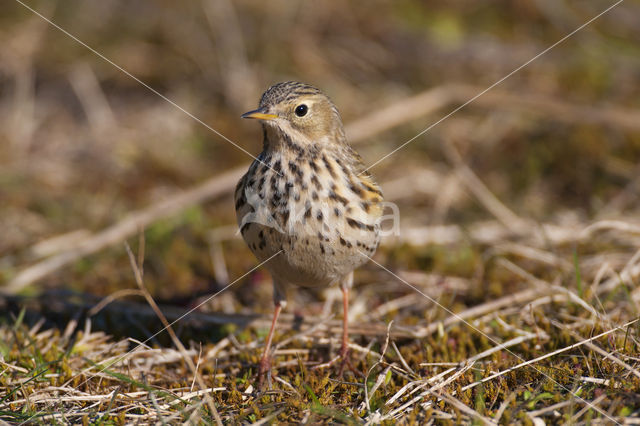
(306,207)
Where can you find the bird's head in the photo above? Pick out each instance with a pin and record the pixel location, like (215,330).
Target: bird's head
(299,112)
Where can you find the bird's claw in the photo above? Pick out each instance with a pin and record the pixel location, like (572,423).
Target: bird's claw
(345,362)
(264,370)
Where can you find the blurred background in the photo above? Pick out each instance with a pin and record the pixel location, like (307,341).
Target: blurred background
(83,145)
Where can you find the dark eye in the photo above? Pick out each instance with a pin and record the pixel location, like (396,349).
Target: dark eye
(301,110)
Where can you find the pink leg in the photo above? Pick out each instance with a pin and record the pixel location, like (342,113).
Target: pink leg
(344,348)
(265,361)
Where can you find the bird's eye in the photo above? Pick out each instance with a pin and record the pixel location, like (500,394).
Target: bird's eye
(301,110)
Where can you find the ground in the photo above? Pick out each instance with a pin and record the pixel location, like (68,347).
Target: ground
(508,295)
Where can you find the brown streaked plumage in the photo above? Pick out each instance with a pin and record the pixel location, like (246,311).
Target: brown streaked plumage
(306,199)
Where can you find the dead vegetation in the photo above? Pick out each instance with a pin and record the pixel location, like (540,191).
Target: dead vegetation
(509,295)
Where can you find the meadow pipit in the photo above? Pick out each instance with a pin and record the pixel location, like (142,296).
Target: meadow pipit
(306,198)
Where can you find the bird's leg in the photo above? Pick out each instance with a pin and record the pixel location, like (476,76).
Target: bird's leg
(265,361)
(345,286)
(344,348)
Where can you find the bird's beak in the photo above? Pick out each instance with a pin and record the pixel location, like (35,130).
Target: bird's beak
(259,114)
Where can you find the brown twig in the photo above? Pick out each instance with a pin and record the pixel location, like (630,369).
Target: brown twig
(116,233)
(550,106)
(486,198)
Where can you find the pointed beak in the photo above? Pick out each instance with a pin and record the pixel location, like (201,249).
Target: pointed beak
(259,114)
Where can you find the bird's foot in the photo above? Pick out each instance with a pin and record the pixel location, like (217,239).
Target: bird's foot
(345,362)
(264,371)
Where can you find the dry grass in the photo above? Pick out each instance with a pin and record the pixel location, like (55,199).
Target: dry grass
(510,294)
